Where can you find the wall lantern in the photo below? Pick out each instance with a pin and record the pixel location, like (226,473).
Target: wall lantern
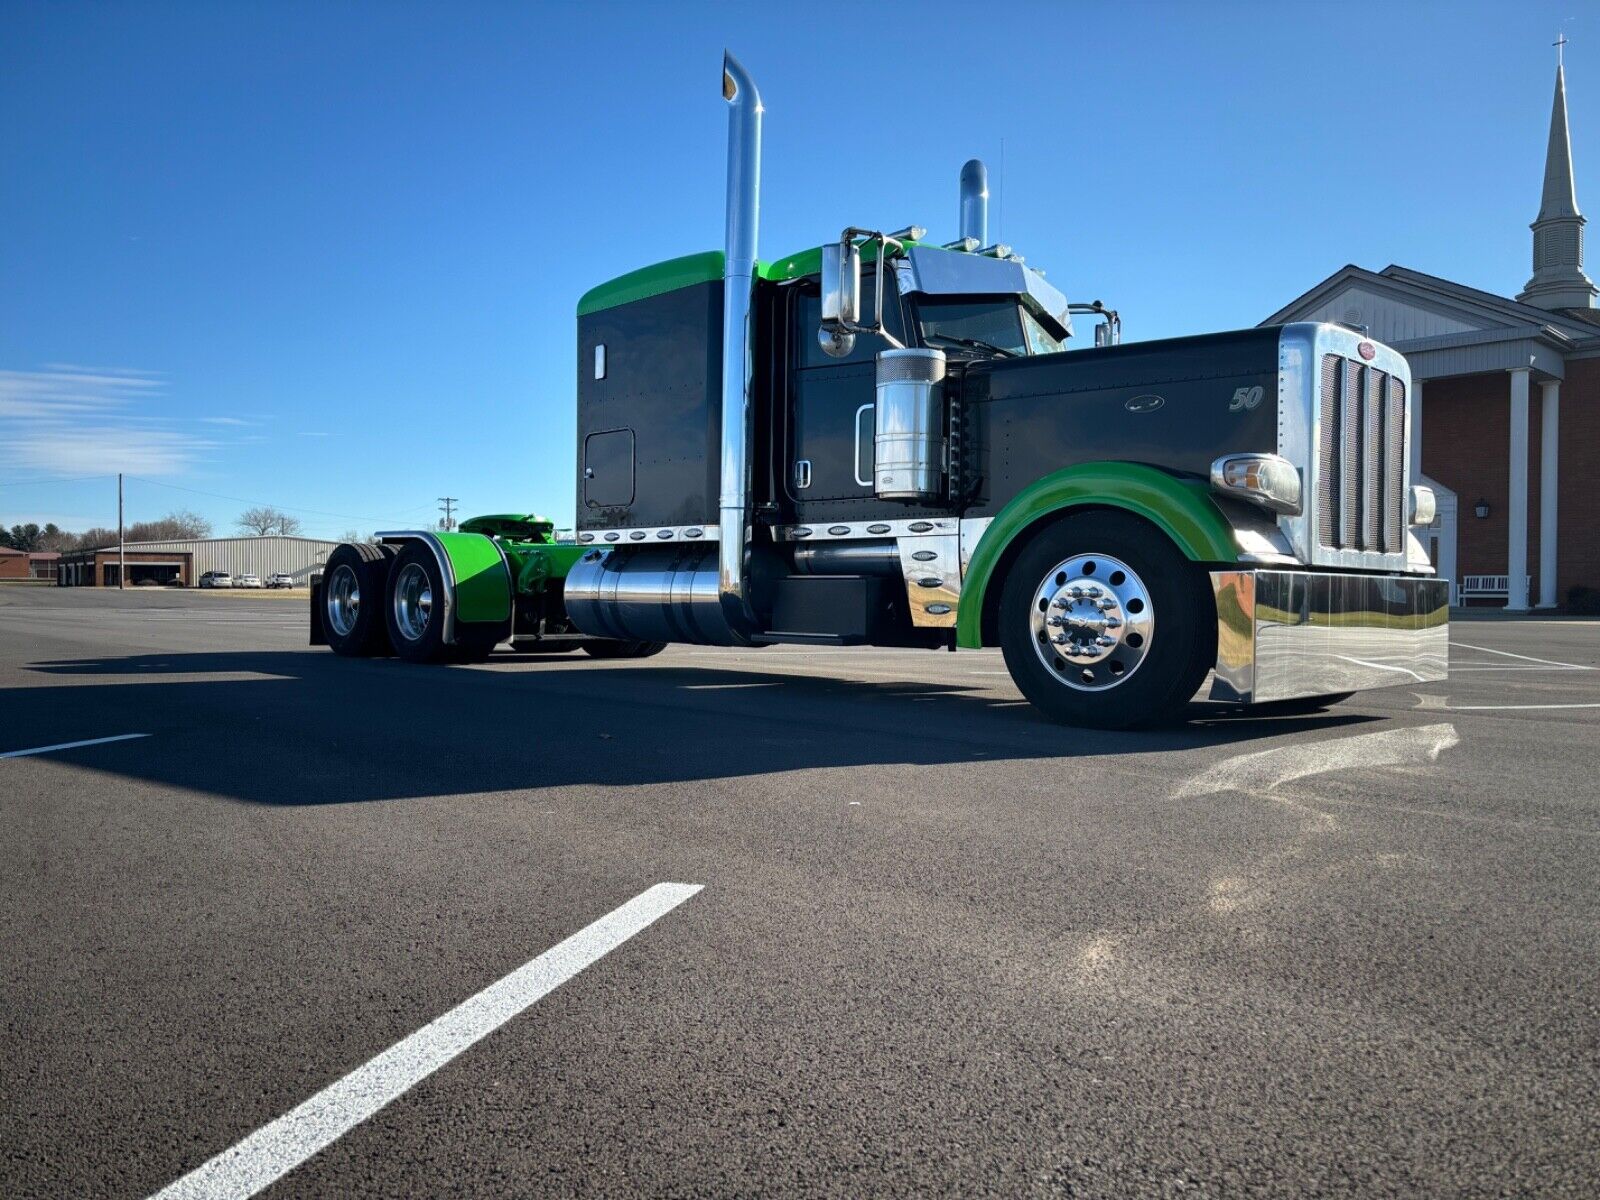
(1480,509)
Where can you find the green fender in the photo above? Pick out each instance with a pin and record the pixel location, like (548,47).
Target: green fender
(483,583)
(1180,508)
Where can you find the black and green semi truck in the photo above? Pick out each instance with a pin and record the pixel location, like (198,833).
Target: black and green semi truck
(889,441)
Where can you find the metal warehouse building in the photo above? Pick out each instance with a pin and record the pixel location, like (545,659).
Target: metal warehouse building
(186,560)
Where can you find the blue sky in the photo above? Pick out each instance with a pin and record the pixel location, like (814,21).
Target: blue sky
(327,255)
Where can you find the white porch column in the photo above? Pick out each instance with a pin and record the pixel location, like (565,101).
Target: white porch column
(1517,506)
(1416,431)
(1549,468)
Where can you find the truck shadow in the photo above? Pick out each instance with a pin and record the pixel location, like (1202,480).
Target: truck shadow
(305,727)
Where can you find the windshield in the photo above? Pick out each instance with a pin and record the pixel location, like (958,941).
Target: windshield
(1000,326)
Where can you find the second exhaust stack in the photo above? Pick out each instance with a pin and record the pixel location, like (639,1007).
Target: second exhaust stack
(975,201)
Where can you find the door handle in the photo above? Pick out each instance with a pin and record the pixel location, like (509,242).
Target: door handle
(802,473)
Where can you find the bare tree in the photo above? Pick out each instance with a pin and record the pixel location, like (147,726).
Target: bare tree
(97,538)
(265,519)
(178,526)
(52,537)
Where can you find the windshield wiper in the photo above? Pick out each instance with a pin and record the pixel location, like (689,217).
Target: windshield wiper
(969,343)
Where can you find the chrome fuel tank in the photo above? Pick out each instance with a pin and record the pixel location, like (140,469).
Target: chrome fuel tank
(652,594)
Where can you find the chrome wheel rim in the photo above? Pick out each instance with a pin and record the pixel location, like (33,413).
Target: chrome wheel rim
(413,602)
(1092,622)
(343,591)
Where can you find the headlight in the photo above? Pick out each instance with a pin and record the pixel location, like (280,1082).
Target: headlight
(1423,505)
(1264,479)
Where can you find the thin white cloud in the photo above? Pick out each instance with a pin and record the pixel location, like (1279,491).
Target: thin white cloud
(227,421)
(103,449)
(313,433)
(70,419)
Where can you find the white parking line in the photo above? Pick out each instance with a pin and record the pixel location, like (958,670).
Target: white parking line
(121,737)
(1524,657)
(276,1149)
(1503,707)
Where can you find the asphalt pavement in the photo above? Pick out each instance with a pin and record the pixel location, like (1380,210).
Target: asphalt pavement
(925,944)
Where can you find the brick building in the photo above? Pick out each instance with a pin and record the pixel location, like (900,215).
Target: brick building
(27,564)
(1507,391)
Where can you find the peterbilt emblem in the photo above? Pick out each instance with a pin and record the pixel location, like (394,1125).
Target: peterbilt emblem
(1367,350)
(1146,403)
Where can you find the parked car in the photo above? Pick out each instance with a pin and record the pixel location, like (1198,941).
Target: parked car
(247,580)
(280,579)
(216,579)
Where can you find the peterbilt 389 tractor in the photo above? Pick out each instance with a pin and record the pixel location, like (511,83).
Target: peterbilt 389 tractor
(887,441)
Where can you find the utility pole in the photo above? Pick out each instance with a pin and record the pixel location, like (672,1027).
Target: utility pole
(447,507)
(122,547)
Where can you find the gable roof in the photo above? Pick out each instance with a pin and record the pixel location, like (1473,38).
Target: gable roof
(1470,305)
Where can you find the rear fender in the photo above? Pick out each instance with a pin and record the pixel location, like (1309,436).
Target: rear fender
(477,582)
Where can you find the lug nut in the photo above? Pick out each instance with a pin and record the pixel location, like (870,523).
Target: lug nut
(1093,591)
(1060,639)
(1113,623)
(1105,641)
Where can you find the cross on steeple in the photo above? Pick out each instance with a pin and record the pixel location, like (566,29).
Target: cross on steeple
(1559,43)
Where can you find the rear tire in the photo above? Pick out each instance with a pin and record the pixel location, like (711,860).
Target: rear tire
(354,585)
(1105,624)
(414,606)
(605,648)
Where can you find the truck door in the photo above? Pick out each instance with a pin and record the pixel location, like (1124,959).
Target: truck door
(830,401)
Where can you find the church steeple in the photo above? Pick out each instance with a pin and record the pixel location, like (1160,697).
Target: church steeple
(1558,279)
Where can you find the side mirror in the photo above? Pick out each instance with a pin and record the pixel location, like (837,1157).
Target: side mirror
(841,297)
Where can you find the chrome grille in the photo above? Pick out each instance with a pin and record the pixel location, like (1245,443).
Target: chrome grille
(1361,458)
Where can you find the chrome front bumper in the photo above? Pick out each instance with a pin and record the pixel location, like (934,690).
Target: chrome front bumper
(1284,634)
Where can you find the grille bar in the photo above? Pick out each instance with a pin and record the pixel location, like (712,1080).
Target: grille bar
(1328,454)
(1350,453)
(1394,492)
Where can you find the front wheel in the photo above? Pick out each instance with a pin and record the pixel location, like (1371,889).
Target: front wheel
(1104,623)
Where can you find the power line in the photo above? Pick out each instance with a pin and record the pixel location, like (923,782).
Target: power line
(447,505)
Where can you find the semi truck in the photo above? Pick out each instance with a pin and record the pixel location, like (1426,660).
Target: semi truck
(888,440)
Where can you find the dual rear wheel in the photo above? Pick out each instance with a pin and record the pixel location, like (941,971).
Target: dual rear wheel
(391,599)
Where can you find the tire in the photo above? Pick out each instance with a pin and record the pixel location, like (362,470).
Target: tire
(1137,638)
(354,585)
(605,648)
(413,609)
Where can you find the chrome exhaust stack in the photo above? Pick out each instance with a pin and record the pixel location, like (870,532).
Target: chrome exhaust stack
(696,592)
(738,280)
(975,202)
